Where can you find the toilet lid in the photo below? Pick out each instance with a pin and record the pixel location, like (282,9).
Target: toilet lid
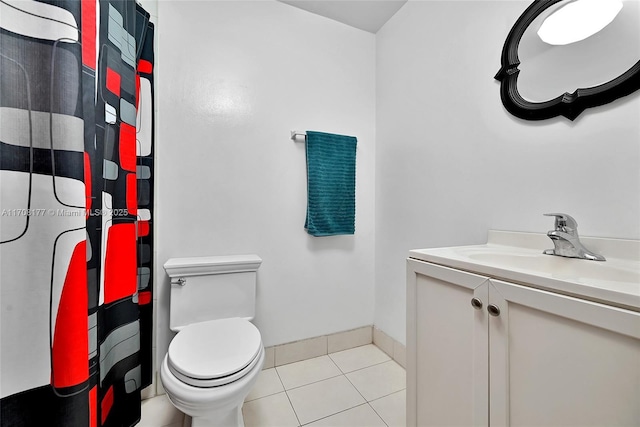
(212,352)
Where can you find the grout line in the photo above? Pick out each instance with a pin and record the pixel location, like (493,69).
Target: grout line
(288,398)
(367,402)
(314,382)
(358,346)
(367,367)
(382,397)
(354,386)
(266,395)
(376,412)
(270,394)
(280,379)
(292,408)
(386,395)
(390,358)
(334,362)
(339,412)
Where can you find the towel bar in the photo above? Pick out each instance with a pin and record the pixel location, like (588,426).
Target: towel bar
(295,133)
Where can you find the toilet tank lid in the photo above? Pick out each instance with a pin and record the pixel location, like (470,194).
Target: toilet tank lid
(199,266)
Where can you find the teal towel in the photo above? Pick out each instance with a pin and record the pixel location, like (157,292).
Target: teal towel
(331,184)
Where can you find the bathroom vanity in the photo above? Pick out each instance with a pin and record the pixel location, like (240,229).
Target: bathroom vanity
(503,335)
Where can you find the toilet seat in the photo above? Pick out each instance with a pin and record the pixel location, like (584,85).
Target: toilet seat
(214,353)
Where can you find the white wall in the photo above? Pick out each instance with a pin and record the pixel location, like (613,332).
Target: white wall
(234,77)
(451,163)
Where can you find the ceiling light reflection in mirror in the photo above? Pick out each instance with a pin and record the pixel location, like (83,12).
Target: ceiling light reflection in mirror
(547,71)
(578,20)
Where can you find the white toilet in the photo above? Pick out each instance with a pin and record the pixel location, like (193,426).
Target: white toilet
(217,355)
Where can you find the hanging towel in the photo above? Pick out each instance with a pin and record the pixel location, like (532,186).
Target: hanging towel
(331,184)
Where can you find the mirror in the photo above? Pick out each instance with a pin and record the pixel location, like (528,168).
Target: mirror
(541,81)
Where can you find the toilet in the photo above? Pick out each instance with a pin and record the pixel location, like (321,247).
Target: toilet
(216,357)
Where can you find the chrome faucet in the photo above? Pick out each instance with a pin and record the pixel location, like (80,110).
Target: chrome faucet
(566,241)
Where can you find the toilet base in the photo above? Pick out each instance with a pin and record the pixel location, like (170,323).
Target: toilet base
(232,418)
(217,406)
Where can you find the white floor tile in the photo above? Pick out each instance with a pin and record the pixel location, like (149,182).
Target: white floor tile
(268,383)
(159,411)
(274,410)
(307,372)
(379,380)
(359,357)
(324,398)
(392,408)
(360,416)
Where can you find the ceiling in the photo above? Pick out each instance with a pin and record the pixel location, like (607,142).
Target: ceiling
(367,15)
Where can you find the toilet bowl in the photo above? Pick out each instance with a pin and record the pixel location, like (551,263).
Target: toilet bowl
(210,368)
(217,354)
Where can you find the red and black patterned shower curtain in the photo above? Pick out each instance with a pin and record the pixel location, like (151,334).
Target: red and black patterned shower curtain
(76,203)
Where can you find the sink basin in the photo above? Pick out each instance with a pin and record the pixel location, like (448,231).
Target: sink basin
(559,267)
(518,258)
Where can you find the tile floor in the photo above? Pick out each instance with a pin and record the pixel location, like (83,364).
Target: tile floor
(359,387)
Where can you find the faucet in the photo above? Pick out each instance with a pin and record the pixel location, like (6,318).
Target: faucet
(566,241)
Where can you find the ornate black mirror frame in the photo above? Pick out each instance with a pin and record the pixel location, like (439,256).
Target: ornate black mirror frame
(569,105)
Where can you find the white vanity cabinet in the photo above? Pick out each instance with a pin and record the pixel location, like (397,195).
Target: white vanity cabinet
(482,351)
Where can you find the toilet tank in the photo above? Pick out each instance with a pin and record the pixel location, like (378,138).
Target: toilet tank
(211,287)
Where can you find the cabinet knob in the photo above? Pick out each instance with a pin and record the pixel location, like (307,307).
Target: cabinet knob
(493,310)
(476,303)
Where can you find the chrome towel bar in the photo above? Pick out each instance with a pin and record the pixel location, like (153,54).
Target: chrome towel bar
(295,133)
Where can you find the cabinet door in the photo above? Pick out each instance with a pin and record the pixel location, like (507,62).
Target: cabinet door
(447,347)
(561,361)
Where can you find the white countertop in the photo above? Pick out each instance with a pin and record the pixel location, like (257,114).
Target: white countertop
(517,257)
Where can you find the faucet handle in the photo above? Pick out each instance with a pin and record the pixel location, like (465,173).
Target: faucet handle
(564,222)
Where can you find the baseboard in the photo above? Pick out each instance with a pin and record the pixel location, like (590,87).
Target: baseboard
(309,348)
(394,349)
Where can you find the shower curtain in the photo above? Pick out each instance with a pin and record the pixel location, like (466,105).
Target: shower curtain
(76,210)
